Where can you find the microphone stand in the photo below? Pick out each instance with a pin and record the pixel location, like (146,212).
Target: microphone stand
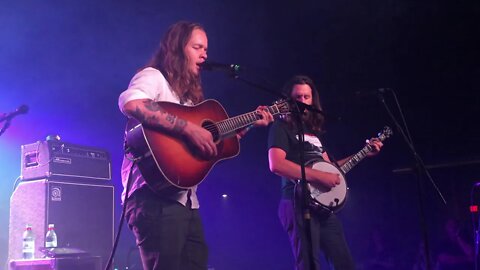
(475,223)
(5,125)
(420,170)
(304,191)
(7,117)
(476,247)
(297,111)
(4,117)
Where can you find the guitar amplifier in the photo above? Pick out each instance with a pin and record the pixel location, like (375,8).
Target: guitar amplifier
(45,159)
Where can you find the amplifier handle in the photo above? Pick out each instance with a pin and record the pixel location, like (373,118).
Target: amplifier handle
(31,159)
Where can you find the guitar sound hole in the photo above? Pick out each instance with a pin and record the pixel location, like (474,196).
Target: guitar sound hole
(213,129)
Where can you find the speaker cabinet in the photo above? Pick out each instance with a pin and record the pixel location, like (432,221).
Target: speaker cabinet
(82,214)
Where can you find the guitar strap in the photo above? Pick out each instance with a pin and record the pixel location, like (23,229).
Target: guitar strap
(189,201)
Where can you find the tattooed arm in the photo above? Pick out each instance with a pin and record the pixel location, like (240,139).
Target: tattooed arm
(149,112)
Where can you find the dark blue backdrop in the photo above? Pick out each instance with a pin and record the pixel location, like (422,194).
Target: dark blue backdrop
(69,61)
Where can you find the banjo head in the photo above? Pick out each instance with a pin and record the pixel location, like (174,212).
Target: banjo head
(332,199)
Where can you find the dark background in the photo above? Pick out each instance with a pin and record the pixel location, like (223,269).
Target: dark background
(69,61)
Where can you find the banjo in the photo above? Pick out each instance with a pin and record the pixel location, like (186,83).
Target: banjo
(332,200)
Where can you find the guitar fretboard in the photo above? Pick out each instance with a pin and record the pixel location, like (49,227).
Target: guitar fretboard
(229,125)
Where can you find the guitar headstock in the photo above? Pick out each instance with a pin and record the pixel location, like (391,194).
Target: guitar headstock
(385,133)
(280,106)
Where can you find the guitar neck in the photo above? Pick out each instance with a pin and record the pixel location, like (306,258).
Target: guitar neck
(228,126)
(355,159)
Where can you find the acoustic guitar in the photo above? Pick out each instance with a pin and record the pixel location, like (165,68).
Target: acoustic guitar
(166,160)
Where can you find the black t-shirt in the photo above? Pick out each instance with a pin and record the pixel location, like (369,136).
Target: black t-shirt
(282,136)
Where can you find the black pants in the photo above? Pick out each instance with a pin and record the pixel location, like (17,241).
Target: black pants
(169,235)
(327,236)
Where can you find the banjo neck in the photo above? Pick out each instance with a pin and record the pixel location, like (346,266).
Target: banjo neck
(355,159)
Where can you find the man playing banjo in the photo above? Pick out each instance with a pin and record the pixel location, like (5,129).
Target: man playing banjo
(284,159)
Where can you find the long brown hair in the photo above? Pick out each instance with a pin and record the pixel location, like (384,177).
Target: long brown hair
(170,59)
(313,121)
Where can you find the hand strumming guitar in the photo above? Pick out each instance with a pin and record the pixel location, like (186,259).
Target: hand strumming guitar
(201,139)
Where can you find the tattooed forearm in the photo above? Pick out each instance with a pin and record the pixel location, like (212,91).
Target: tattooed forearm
(179,125)
(152,114)
(171,118)
(142,117)
(152,106)
(138,114)
(151,120)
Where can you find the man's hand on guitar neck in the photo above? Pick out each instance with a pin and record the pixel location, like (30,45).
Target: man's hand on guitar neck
(265,120)
(266,117)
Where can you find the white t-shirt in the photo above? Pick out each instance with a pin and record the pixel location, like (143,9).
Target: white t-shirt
(150,83)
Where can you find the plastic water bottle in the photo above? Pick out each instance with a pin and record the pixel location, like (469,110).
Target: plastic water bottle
(28,247)
(51,237)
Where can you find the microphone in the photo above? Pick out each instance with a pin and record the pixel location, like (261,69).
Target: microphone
(377,92)
(305,107)
(214,66)
(9,116)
